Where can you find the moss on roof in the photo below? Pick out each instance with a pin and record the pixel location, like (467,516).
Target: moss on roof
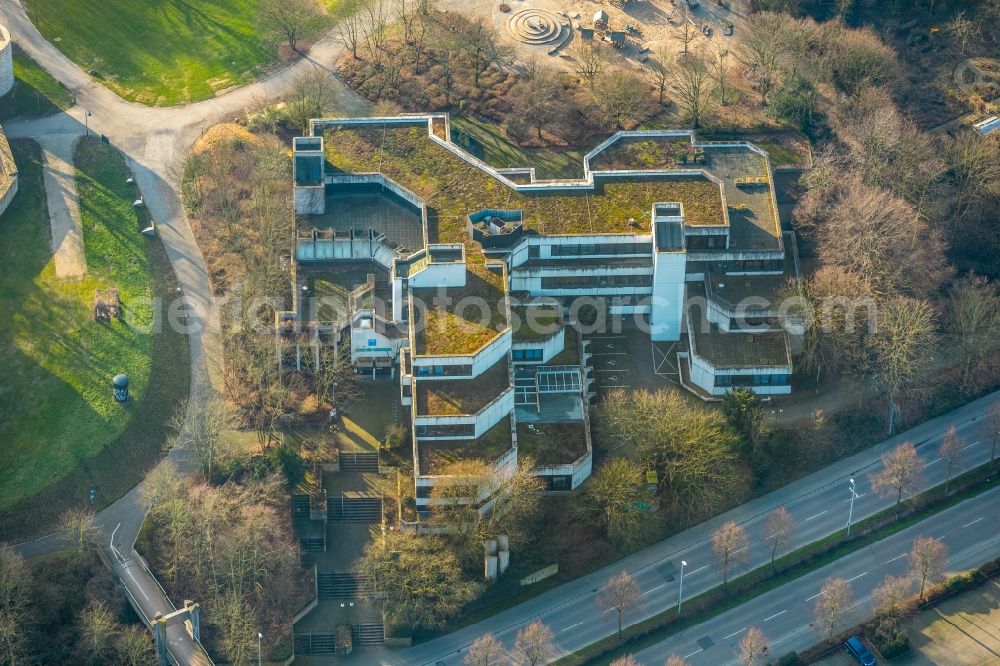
(437,455)
(450,397)
(452,188)
(460,320)
(557,443)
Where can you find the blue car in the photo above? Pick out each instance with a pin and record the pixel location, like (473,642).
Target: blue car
(859,651)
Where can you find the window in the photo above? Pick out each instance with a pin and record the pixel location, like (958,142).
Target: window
(407,391)
(591,249)
(526,354)
(533,251)
(596,281)
(450,430)
(423,492)
(560,482)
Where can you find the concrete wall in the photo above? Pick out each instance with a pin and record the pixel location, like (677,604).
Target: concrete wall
(310,200)
(6,62)
(8,173)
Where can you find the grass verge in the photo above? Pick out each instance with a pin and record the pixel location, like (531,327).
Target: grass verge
(789,567)
(489,144)
(62,430)
(35,92)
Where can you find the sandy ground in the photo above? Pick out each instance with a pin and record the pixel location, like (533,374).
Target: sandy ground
(64,204)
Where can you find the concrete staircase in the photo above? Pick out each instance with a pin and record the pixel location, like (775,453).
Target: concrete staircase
(312,544)
(359,462)
(307,644)
(337,585)
(355,507)
(300,506)
(368,633)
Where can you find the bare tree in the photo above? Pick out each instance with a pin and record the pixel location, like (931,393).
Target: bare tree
(928,559)
(348,33)
(588,60)
(729,546)
(538,99)
(973,319)
(134,646)
(658,71)
(719,67)
(611,495)
(676,660)
(834,598)
(950,451)
(760,48)
(994,425)
(900,473)
(200,425)
(15,595)
(98,628)
(975,174)
(888,604)
(902,346)
(79,527)
(620,592)
(534,643)
(374,21)
(778,530)
(963,30)
(627,660)
(621,97)
(753,647)
(484,651)
(311,96)
(289,20)
(483,49)
(691,85)
(685,32)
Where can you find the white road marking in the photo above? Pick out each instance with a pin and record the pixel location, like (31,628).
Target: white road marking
(735,633)
(895,558)
(816,516)
(652,590)
(570,627)
(970,445)
(974,521)
(704,566)
(775,615)
(814,596)
(688,656)
(858,576)
(857,498)
(931,463)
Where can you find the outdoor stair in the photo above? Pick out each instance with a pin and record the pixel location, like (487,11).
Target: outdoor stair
(368,633)
(306,644)
(359,462)
(336,585)
(312,544)
(355,507)
(300,506)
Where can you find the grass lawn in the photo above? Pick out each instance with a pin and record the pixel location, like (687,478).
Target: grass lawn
(61,429)
(489,144)
(159,52)
(35,92)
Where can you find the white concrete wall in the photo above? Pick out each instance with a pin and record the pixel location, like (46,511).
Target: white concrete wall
(551,346)
(6,62)
(482,361)
(488,416)
(704,376)
(361,343)
(439,275)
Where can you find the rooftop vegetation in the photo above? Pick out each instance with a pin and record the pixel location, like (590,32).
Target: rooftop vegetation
(559,443)
(570,355)
(452,188)
(641,153)
(462,396)
(460,320)
(437,455)
(542,322)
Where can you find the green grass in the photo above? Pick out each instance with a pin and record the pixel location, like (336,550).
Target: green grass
(489,144)
(159,52)
(61,429)
(35,92)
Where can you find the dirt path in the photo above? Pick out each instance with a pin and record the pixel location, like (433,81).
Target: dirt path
(64,205)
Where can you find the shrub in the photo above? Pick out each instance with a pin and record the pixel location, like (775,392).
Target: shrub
(790,659)
(895,648)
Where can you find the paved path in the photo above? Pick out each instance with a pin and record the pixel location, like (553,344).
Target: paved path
(970,530)
(64,204)
(819,505)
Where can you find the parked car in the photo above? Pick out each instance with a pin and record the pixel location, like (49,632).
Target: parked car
(859,651)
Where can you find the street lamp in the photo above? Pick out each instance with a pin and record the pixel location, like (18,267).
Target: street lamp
(680,592)
(86,120)
(850,513)
(260,637)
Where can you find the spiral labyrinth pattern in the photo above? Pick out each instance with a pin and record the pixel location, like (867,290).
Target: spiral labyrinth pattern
(534,26)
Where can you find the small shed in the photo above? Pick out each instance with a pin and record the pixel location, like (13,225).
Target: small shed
(600,20)
(987,126)
(587,34)
(616,37)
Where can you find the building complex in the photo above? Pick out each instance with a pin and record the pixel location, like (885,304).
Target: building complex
(474,283)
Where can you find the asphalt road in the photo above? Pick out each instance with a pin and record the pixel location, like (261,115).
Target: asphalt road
(819,506)
(971,530)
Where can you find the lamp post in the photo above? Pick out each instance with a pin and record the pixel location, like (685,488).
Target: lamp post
(680,592)
(260,637)
(86,120)
(850,512)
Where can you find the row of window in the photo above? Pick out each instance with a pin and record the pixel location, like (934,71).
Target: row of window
(751,380)
(443,370)
(526,354)
(712,242)
(592,281)
(447,430)
(590,249)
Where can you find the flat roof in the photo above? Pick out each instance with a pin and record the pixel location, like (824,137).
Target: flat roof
(449,397)
(452,187)
(437,455)
(454,321)
(735,350)
(558,443)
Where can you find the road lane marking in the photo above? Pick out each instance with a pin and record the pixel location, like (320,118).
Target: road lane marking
(688,656)
(931,463)
(735,633)
(970,446)
(857,498)
(974,521)
(814,596)
(816,516)
(775,615)
(691,573)
(858,576)
(652,590)
(895,558)
(570,627)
